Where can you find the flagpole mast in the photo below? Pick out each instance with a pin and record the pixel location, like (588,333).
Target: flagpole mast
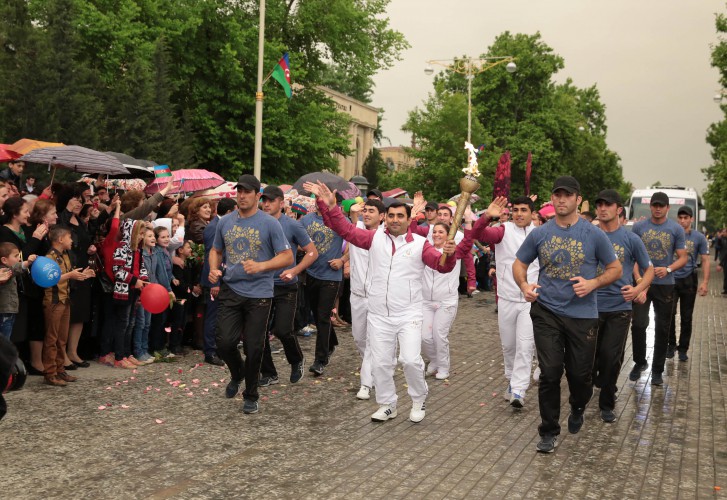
(257,163)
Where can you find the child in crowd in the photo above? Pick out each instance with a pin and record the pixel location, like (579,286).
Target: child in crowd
(57,307)
(10,267)
(181,287)
(130,275)
(157,335)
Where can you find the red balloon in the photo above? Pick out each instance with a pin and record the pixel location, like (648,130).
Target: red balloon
(154,298)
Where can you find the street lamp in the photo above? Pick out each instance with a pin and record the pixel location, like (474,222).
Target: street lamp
(257,159)
(470,67)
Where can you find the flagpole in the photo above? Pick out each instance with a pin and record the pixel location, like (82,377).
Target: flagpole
(257,163)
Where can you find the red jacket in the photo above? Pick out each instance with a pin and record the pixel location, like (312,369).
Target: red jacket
(108,246)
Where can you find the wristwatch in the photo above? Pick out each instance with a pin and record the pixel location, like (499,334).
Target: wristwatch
(668,270)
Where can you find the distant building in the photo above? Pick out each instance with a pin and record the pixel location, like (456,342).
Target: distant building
(364,119)
(396,158)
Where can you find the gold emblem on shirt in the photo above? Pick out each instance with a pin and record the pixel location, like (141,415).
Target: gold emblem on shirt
(562,258)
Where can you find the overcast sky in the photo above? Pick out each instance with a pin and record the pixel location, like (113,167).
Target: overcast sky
(649,59)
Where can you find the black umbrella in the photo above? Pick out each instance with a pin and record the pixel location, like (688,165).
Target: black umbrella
(143,169)
(333,181)
(76,158)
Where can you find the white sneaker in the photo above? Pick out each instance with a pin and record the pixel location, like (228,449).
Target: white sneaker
(363,393)
(384,413)
(441,375)
(417,412)
(517,400)
(536,374)
(508,393)
(431,370)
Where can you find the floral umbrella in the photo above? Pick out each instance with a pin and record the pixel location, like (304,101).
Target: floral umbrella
(186,181)
(226,190)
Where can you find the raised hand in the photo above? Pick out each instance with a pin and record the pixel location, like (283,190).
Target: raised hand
(326,194)
(496,207)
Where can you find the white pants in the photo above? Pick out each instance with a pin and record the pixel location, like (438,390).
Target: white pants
(359,313)
(384,332)
(438,318)
(518,345)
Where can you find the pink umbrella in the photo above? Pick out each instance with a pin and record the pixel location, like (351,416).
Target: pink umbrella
(226,190)
(186,181)
(7,154)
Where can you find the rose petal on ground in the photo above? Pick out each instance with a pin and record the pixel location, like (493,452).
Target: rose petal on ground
(206,390)
(274,392)
(180,370)
(494,394)
(134,371)
(215,384)
(109,388)
(264,398)
(159,421)
(125,407)
(482,404)
(101,407)
(195,381)
(190,394)
(132,378)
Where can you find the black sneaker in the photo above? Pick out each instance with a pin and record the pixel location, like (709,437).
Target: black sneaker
(575,422)
(670,352)
(214,360)
(683,356)
(296,372)
(547,444)
(608,416)
(636,371)
(268,380)
(232,389)
(317,368)
(249,407)
(657,379)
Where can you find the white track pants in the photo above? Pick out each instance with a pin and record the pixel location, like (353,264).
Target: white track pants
(359,313)
(384,332)
(518,345)
(438,318)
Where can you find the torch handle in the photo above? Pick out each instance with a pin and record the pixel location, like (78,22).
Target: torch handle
(462,204)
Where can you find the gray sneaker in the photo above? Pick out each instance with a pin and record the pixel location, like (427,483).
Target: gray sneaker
(547,444)
(249,407)
(268,380)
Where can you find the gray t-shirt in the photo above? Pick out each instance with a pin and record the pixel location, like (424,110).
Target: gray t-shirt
(297,237)
(329,246)
(565,253)
(258,237)
(629,249)
(661,242)
(696,245)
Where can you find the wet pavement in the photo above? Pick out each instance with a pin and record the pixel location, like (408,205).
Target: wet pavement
(166,431)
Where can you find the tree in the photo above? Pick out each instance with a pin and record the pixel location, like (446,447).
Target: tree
(563,126)
(716,174)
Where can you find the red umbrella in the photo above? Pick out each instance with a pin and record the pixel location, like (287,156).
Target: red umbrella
(7,154)
(225,190)
(186,181)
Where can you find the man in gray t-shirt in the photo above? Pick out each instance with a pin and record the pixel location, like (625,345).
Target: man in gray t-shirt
(254,247)
(663,239)
(564,311)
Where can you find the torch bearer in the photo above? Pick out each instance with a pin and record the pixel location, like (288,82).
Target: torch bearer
(468,184)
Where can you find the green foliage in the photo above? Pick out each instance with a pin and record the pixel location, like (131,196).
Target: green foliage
(175,80)
(521,112)
(716,174)
(374,168)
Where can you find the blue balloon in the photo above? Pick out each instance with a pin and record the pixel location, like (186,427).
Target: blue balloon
(45,272)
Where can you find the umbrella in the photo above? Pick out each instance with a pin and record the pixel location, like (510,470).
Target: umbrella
(135,166)
(352,192)
(285,187)
(25,146)
(333,181)
(7,154)
(473,198)
(186,181)
(76,158)
(226,190)
(120,184)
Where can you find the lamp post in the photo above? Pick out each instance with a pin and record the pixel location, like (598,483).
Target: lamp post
(470,67)
(257,161)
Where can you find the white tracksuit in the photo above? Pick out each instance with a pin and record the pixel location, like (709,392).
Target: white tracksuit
(516,327)
(359,263)
(439,307)
(394,298)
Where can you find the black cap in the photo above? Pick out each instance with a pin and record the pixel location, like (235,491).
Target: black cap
(375,192)
(567,183)
(686,211)
(272,192)
(248,182)
(610,196)
(659,198)
(431,205)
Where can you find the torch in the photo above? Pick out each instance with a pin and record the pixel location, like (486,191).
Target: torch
(468,184)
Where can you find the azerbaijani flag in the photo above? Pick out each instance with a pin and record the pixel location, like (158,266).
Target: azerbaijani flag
(282,74)
(162,171)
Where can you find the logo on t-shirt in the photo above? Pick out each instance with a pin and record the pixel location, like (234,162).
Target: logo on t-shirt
(658,244)
(690,250)
(241,244)
(562,258)
(620,252)
(321,235)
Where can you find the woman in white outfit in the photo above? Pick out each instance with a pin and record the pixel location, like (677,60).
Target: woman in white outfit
(440,300)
